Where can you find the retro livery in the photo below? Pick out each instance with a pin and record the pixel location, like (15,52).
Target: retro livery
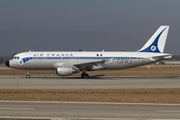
(67,63)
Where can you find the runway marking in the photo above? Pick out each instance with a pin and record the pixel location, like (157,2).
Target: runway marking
(63,102)
(167,111)
(5,108)
(56,118)
(18,77)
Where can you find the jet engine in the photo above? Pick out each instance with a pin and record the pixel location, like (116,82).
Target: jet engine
(66,70)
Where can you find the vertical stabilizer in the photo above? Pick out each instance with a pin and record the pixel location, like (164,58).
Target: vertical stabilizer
(157,42)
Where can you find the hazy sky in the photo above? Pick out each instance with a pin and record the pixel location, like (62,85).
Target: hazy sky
(138,19)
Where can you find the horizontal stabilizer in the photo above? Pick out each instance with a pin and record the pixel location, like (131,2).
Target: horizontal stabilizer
(159,58)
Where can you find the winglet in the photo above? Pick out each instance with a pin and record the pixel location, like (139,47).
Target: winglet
(157,42)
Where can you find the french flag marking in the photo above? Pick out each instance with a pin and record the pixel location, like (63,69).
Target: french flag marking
(99,54)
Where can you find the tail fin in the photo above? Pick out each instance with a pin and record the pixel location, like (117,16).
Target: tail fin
(157,42)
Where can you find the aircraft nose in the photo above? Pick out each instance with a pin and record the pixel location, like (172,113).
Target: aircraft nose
(7,63)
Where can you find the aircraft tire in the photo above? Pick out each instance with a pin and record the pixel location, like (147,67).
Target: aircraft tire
(27,76)
(83,75)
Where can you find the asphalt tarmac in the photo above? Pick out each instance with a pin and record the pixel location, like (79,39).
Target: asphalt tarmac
(80,110)
(95,82)
(86,111)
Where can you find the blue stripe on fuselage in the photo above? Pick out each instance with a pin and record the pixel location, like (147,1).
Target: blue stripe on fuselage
(78,58)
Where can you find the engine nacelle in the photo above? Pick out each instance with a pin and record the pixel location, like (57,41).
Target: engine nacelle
(66,70)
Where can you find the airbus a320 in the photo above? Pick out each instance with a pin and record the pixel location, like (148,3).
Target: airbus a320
(68,62)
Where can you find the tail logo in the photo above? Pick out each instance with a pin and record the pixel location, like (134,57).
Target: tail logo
(153,48)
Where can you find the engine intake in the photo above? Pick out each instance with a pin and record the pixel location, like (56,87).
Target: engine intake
(66,70)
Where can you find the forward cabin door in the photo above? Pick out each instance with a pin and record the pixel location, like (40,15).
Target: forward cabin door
(138,57)
(28,61)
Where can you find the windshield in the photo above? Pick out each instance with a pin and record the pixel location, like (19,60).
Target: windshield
(15,57)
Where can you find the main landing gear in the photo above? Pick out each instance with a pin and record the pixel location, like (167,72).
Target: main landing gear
(28,74)
(84,75)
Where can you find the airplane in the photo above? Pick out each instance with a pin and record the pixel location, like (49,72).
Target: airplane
(68,62)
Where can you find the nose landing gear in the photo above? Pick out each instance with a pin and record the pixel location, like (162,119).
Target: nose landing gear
(28,74)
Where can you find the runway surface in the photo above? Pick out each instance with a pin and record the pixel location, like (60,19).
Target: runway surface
(17,109)
(95,82)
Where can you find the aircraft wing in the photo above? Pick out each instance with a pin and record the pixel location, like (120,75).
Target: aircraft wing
(89,64)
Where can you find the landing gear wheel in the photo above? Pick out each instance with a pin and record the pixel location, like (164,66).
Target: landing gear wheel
(83,75)
(27,76)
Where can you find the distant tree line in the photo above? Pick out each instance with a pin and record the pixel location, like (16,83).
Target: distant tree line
(4,59)
(175,57)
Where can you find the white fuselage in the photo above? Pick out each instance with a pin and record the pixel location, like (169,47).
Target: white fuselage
(112,60)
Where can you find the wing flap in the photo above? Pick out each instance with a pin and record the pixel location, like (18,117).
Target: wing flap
(89,64)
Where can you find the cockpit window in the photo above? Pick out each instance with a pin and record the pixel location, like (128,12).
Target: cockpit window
(15,57)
